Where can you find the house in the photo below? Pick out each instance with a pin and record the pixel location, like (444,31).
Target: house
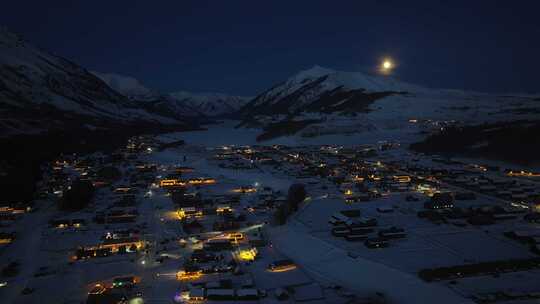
(402,178)
(196,295)
(201,181)
(392,233)
(376,243)
(189,212)
(246,254)
(339,218)
(128,282)
(192,226)
(340,231)
(130,244)
(363,222)
(172,183)
(281,266)
(218,244)
(440,201)
(223,209)
(181,170)
(116,216)
(245,189)
(356,237)
(190,272)
(246,294)
(220,294)
(385,209)
(67,223)
(6,238)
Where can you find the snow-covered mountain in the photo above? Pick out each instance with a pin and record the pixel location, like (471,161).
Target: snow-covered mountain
(128,86)
(336,102)
(211,104)
(180,103)
(324,90)
(39,91)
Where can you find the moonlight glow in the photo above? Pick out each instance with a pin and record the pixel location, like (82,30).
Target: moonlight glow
(387,65)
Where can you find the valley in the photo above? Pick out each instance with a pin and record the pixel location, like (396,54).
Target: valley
(205,219)
(119,184)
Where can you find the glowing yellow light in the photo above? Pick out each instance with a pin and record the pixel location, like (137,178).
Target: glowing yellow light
(6,240)
(247,255)
(244,190)
(386,66)
(188,275)
(234,236)
(283,268)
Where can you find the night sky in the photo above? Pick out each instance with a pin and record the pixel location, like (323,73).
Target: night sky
(245,47)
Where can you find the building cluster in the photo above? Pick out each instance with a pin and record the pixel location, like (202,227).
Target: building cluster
(205,233)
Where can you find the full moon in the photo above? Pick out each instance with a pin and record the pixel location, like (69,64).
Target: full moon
(387,64)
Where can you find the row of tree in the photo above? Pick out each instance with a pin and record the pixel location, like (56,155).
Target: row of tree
(296,195)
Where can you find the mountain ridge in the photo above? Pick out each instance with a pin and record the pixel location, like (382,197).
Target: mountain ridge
(209,104)
(33,80)
(337,102)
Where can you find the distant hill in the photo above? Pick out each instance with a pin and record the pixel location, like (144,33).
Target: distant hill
(181,103)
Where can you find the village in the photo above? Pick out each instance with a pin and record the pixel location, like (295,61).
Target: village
(166,221)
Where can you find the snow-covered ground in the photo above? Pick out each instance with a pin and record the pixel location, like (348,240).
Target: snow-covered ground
(226,134)
(324,261)
(331,264)
(358,103)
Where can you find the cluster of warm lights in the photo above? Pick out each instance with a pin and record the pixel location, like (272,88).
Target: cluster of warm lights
(188,275)
(247,254)
(523,173)
(245,190)
(198,181)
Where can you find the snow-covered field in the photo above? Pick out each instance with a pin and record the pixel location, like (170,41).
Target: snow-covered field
(323,261)
(227,134)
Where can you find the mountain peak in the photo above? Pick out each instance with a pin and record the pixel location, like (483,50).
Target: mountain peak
(314,72)
(126,85)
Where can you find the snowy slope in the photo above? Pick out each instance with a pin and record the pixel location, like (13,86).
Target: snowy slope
(181,103)
(33,81)
(324,90)
(211,104)
(152,100)
(127,86)
(353,102)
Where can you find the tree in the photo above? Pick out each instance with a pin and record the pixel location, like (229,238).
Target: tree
(296,195)
(109,173)
(281,214)
(78,195)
